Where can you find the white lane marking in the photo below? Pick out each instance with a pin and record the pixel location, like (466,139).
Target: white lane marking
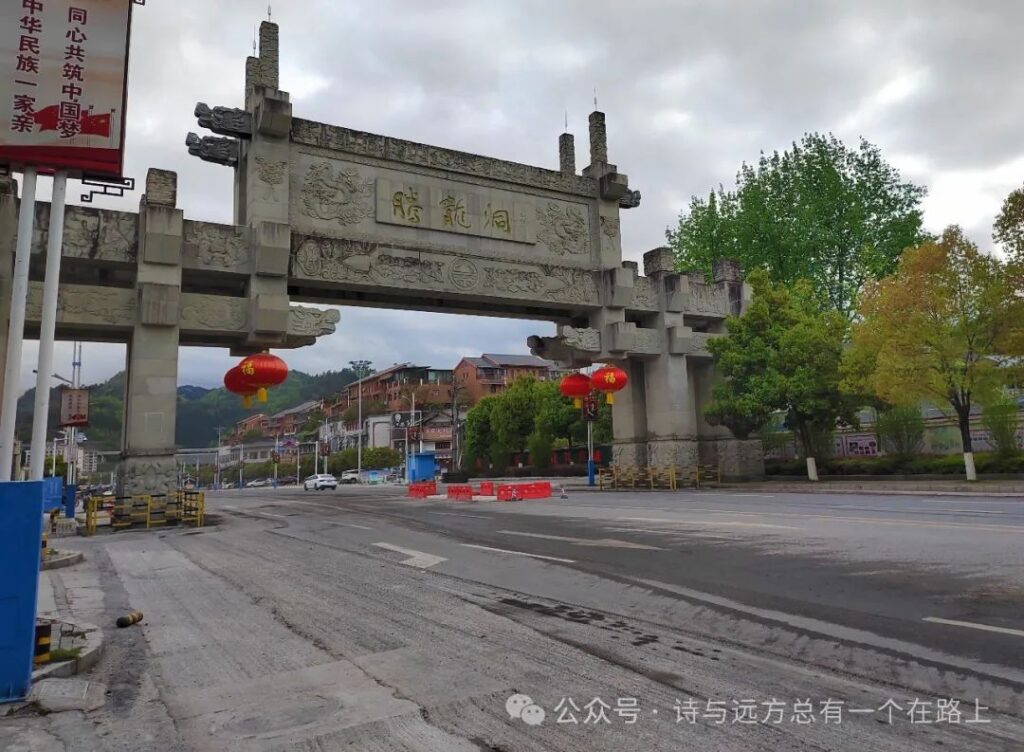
(518,553)
(597,542)
(710,523)
(344,524)
(416,558)
(456,514)
(974,625)
(741,495)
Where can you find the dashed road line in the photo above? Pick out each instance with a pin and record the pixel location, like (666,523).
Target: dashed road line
(519,553)
(975,625)
(457,514)
(596,542)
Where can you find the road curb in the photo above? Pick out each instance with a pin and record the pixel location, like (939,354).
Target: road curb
(62,560)
(862,491)
(89,657)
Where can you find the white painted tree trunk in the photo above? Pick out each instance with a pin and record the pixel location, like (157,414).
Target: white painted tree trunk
(812,469)
(972,473)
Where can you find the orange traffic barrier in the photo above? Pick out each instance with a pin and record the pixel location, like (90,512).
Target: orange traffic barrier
(460,493)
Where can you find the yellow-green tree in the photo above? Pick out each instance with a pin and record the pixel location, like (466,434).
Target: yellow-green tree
(940,330)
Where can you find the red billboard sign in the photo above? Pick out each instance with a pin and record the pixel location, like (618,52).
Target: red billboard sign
(63,84)
(74,407)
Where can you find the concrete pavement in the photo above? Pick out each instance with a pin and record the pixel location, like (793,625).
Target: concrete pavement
(360,619)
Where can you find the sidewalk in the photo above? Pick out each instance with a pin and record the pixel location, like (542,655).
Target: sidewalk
(952,487)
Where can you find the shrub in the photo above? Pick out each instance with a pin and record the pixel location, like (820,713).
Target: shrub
(900,431)
(1000,417)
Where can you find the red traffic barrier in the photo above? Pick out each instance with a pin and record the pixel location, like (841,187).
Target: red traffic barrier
(509,492)
(460,493)
(487,488)
(518,491)
(422,489)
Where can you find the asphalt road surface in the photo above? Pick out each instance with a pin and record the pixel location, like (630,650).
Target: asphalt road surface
(359,619)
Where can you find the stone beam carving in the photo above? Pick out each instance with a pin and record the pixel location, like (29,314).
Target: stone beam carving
(212,313)
(306,321)
(370,264)
(86,305)
(216,248)
(630,200)
(227,121)
(224,151)
(91,234)
(572,347)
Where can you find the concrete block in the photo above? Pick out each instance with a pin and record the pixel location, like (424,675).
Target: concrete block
(159,305)
(161,188)
(269,314)
(274,117)
(614,186)
(273,249)
(677,293)
(162,231)
(659,260)
(618,286)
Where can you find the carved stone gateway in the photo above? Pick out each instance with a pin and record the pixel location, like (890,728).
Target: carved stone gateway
(329,215)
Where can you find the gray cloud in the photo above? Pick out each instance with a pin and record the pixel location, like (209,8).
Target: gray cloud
(691,89)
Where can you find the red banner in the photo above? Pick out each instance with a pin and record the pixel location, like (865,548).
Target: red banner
(63,82)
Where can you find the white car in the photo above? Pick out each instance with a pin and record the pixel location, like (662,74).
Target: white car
(320,482)
(350,476)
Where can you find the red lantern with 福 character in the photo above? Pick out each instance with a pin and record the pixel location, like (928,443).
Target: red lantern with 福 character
(576,386)
(262,371)
(234,382)
(609,380)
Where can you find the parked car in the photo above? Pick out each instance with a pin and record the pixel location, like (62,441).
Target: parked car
(319,482)
(288,480)
(350,476)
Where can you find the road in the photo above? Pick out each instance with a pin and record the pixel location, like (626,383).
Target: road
(359,619)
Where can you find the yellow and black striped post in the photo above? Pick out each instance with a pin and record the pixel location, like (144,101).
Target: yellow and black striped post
(42,650)
(132,618)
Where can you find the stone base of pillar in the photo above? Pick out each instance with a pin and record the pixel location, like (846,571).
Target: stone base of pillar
(739,459)
(679,453)
(147,474)
(629,454)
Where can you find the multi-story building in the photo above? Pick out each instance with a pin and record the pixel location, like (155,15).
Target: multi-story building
(491,373)
(391,389)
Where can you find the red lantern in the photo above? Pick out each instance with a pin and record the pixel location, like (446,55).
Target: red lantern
(234,382)
(262,371)
(609,380)
(575,386)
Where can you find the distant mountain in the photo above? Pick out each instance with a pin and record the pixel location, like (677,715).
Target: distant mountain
(200,410)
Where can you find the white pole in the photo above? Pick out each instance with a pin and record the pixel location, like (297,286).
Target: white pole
(359,428)
(241,463)
(53,458)
(48,324)
(16,326)
(76,374)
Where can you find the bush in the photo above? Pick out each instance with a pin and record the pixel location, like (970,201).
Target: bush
(1000,417)
(900,431)
(953,464)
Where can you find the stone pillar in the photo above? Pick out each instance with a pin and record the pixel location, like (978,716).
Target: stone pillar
(262,195)
(629,418)
(8,236)
(151,377)
(567,154)
(598,139)
(671,408)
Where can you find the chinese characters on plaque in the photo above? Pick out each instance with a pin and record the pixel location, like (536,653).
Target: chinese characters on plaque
(74,407)
(488,214)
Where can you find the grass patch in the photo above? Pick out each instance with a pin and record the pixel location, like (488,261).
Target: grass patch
(64,654)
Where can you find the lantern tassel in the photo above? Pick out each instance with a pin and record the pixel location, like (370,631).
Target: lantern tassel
(247,401)
(610,398)
(261,394)
(577,402)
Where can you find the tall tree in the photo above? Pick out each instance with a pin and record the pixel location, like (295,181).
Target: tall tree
(361,368)
(940,329)
(782,354)
(820,211)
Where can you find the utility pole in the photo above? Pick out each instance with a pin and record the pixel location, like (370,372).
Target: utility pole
(359,431)
(241,463)
(216,472)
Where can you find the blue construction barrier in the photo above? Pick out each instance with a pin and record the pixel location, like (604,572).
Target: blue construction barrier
(53,493)
(21,529)
(70,499)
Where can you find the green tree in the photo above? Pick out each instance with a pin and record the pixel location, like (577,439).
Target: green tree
(900,430)
(479,438)
(515,412)
(361,368)
(821,211)
(782,354)
(938,330)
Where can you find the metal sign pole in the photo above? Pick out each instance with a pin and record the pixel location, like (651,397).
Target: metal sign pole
(590,453)
(16,326)
(48,325)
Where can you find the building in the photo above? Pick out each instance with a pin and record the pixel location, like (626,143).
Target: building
(391,390)
(284,423)
(491,373)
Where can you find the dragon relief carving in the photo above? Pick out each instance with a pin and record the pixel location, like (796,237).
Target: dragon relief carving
(588,340)
(571,285)
(513,281)
(312,322)
(342,197)
(217,246)
(562,229)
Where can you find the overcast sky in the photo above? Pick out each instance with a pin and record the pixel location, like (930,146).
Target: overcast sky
(691,89)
